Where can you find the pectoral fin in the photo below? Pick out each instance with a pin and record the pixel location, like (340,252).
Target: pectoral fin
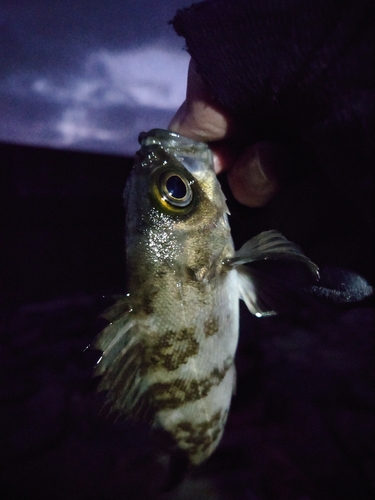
(252,293)
(264,290)
(271,245)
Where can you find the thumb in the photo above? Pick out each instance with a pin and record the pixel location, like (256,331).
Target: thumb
(200,117)
(258,174)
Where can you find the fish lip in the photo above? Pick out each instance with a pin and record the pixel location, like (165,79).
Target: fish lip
(164,134)
(158,132)
(169,139)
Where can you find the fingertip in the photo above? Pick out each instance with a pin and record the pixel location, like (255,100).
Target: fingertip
(224,155)
(200,117)
(175,124)
(217,164)
(200,122)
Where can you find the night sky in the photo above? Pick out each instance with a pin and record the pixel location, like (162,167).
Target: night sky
(86,74)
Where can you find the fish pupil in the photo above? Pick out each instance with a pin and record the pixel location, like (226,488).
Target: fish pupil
(176,187)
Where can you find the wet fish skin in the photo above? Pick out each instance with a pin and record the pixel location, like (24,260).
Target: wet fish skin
(168,352)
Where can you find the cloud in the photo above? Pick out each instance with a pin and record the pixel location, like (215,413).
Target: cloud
(75,127)
(115,96)
(152,76)
(112,130)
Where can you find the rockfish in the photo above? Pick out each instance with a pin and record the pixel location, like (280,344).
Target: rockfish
(168,352)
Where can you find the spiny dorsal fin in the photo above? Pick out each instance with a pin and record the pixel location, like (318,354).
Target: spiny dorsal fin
(120,366)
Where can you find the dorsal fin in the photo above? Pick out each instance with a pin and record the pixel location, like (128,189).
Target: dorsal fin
(121,363)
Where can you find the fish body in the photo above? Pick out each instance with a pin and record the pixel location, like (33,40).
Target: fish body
(168,352)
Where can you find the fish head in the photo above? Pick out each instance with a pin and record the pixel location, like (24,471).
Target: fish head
(174,175)
(174,202)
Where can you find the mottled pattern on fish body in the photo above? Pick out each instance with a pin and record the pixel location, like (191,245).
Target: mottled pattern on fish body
(168,353)
(183,302)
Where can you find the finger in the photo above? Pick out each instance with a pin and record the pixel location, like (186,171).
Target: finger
(257,175)
(200,117)
(225,154)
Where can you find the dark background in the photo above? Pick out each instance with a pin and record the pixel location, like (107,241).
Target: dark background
(302,421)
(63,219)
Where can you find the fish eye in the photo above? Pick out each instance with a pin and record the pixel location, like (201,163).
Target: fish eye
(175,189)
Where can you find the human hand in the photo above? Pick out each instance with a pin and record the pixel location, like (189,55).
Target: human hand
(254,172)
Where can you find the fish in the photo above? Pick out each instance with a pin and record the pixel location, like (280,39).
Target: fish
(168,350)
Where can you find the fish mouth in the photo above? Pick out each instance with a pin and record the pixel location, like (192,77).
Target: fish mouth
(158,135)
(168,139)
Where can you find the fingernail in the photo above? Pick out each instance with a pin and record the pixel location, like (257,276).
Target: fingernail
(248,180)
(259,174)
(251,165)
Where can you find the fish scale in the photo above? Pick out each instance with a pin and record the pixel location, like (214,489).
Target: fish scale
(168,351)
